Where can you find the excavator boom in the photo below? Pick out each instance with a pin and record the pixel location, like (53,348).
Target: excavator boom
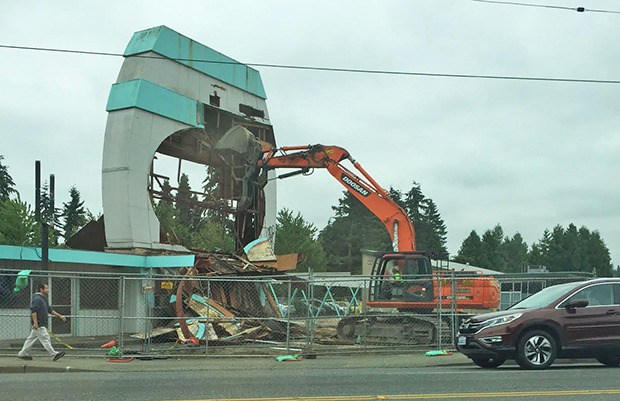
(365,189)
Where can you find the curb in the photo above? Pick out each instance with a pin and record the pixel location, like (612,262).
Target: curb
(40,369)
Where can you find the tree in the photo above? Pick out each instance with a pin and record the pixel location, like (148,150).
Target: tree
(213,236)
(185,223)
(296,235)
(352,229)
(17,224)
(539,252)
(492,255)
(599,259)
(572,249)
(556,257)
(184,203)
(7,186)
(50,214)
(437,231)
(73,213)
(167,214)
(494,251)
(470,250)
(430,228)
(415,203)
(515,253)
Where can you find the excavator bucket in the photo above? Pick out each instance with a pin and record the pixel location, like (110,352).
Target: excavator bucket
(239,140)
(242,152)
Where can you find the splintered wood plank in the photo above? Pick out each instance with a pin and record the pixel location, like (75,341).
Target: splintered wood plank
(196,303)
(272,302)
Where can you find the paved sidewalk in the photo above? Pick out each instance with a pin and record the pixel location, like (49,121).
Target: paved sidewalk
(69,363)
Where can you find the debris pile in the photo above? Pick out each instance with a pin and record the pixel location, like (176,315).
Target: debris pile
(210,306)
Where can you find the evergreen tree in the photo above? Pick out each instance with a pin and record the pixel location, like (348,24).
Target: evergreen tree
(539,253)
(355,228)
(598,256)
(296,235)
(492,255)
(90,216)
(187,218)
(572,249)
(216,213)
(437,231)
(470,250)
(352,229)
(556,257)
(7,186)
(415,203)
(430,228)
(73,213)
(167,214)
(184,203)
(166,192)
(50,215)
(515,254)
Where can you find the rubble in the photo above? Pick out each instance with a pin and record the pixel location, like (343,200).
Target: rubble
(221,310)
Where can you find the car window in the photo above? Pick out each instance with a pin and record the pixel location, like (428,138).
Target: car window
(596,295)
(616,294)
(545,296)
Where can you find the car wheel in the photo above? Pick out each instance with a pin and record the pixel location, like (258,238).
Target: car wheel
(611,361)
(537,349)
(489,362)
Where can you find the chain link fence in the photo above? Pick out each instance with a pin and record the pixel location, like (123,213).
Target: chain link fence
(153,315)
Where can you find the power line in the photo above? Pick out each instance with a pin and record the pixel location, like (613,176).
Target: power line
(578,9)
(327,69)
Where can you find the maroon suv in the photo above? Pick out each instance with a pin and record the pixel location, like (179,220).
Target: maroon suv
(574,320)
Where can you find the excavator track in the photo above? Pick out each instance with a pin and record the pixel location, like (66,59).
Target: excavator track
(407,330)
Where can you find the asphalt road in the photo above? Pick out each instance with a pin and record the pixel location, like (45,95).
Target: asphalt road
(303,382)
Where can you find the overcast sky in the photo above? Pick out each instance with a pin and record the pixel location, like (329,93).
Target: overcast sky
(527,155)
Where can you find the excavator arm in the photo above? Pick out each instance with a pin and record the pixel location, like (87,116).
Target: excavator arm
(259,158)
(365,189)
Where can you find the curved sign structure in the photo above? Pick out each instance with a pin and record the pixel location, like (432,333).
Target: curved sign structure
(174,96)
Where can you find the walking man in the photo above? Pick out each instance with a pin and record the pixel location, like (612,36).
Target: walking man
(40,310)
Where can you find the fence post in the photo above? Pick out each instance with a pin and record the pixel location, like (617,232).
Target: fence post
(208,313)
(121,323)
(309,312)
(147,290)
(439,306)
(288,319)
(454,320)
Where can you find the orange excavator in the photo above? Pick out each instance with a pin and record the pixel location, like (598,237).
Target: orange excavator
(404,279)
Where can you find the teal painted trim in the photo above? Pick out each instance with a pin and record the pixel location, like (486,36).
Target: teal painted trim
(9,252)
(169,261)
(173,45)
(156,99)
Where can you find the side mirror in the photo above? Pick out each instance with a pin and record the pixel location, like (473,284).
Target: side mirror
(578,303)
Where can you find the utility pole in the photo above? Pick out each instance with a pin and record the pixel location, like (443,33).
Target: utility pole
(42,220)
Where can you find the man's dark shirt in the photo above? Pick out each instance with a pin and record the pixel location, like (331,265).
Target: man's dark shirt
(39,304)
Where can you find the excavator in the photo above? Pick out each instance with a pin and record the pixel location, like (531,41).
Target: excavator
(414,283)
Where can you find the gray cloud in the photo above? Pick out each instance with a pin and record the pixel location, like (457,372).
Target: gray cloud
(527,155)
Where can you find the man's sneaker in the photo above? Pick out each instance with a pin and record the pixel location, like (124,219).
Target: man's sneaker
(58,356)
(25,358)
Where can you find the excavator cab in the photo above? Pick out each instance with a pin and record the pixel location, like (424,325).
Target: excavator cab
(402,277)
